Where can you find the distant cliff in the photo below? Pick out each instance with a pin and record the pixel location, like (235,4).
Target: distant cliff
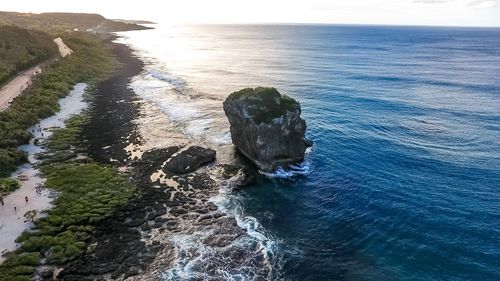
(57,22)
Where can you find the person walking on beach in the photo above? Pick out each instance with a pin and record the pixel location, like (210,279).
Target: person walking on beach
(15,208)
(26,199)
(1,201)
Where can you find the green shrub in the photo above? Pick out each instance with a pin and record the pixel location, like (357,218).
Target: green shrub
(90,62)
(7,186)
(87,192)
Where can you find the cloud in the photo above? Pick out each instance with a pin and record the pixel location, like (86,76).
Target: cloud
(432,1)
(467,3)
(483,3)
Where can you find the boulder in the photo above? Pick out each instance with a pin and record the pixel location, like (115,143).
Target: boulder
(189,160)
(266,127)
(46,271)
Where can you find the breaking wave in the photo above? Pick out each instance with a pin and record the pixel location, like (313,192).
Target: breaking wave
(267,244)
(300,169)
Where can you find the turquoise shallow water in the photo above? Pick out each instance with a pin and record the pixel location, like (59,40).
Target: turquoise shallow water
(406,123)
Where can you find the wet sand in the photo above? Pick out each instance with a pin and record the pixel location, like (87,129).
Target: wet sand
(12,222)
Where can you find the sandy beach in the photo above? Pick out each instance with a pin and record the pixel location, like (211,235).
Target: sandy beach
(12,221)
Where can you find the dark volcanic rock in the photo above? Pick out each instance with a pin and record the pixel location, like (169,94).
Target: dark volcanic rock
(152,160)
(190,160)
(46,271)
(266,127)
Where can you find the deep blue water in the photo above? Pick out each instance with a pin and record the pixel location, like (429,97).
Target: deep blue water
(405,181)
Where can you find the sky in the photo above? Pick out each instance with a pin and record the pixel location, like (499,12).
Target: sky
(392,12)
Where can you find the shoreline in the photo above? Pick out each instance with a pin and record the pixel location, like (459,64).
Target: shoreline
(12,223)
(171,228)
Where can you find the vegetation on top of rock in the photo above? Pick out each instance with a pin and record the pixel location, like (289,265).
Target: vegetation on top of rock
(266,127)
(263,103)
(21,49)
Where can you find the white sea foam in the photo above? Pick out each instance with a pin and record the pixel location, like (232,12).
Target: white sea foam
(186,259)
(195,261)
(222,138)
(299,169)
(175,82)
(176,107)
(197,127)
(199,117)
(229,203)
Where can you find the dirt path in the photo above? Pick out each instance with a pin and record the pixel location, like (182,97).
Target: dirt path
(63,49)
(16,86)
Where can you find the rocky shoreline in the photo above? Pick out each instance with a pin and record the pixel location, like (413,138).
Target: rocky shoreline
(170,229)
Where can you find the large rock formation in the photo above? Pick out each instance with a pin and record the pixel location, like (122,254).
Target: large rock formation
(190,160)
(266,127)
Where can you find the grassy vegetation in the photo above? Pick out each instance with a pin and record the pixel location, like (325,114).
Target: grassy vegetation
(88,191)
(51,22)
(9,160)
(264,104)
(62,22)
(90,62)
(7,186)
(21,48)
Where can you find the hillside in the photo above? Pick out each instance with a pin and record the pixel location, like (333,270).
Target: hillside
(21,49)
(134,21)
(57,22)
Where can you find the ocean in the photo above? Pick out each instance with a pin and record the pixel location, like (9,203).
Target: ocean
(404,180)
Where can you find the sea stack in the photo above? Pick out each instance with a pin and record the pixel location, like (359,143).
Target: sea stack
(266,127)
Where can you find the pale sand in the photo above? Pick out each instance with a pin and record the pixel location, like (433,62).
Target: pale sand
(16,86)
(63,49)
(12,221)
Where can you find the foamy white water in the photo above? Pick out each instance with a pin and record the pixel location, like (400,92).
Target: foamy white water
(198,116)
(12,222)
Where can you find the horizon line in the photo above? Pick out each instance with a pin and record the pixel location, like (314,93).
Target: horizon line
(327,23)
(275,23)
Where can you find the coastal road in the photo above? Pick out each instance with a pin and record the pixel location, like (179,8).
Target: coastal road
(16,86)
